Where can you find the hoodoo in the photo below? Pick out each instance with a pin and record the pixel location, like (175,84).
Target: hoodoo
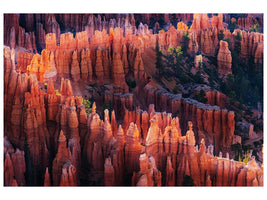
(133,99)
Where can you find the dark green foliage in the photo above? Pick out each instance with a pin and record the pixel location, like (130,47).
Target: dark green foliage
(174,59)
(188,181)
(254,153)
(87,105)
(176,113)
(159,61)
(189,23)
(238,39)
(185,95)
(185,42)
(198,78)
(237,149)
(131,84)
(106,105)
(175,90)
(201,96)
(29,172)
(255,27)
(228,41)
(93,85)
(232,26)
(221,35)
(246,83)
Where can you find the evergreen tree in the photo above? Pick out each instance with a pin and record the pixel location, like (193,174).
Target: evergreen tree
(238,39)
(87,105)
(221,35)
(201,97)
(188,181)
(159,62)
(185,42)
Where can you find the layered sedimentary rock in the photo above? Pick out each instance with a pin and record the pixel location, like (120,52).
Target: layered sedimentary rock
(63,156)
(43,66)
(200,21)
(208,170)
(14,166)
(170,152)
(217,21)
(57,143)
(15,35)
(208,118)
(109,173)
(100,32)
(224,59)
(24,59)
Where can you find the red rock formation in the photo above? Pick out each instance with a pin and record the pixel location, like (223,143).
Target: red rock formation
(19,167)
(118,74)
(50,42)
(170,173)
(118,157)
(109,173)
(86,65)
(154,142)
(47,181)
(209,41)
(217,98)
(258,56)
(75,68)
(224,59)
(10,20)
(43,66)
(8,171)
(132,149)
(37,115)
(24,59)
(68,175)
(148,175)
(124,59)
(113,124)
(40,36)
(117,40)
(99,70)
(200,21)
(51,25)
(217,21)
(63,156)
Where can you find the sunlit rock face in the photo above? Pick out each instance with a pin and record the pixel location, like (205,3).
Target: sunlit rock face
(224,59)
(136,132)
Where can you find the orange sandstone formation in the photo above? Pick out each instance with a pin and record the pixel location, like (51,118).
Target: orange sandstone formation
(224,59)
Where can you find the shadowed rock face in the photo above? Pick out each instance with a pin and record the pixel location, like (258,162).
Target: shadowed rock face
(50,140)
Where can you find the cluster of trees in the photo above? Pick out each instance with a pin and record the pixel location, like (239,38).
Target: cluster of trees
(245,84)
(242,152)
(131,84)
(255,27)
(177,60)
(87,105)
(201,96)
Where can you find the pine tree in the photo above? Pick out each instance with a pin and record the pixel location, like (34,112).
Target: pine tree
(159,62)
(238,39)
(185,42)
(221,35)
